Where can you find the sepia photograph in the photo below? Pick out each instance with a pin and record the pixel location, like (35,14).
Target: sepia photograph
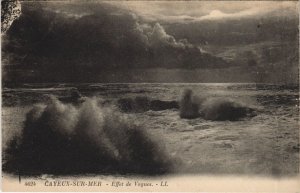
(148,90)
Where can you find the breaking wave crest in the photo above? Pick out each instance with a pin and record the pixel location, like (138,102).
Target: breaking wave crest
(62,138)
(217,109)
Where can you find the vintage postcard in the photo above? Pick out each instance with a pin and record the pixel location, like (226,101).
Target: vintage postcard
(150,96)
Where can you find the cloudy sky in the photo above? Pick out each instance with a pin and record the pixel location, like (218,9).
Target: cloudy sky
(163,41)
(196,11)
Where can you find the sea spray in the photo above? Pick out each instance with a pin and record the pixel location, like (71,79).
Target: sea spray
(216,109)
(62,138)
(189,108)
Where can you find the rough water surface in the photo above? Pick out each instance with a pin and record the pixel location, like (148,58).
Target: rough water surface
(264,144)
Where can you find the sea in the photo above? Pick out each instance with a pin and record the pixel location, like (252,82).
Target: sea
(266,144)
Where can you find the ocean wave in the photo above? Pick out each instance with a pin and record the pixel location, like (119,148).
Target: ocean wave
(62,138)
(216,109)
(142,104)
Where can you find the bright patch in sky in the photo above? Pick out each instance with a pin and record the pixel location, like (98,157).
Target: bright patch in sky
(203,10)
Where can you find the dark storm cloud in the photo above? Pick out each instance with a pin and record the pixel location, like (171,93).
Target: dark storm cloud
(75,41)
(167,41)
(237,32)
